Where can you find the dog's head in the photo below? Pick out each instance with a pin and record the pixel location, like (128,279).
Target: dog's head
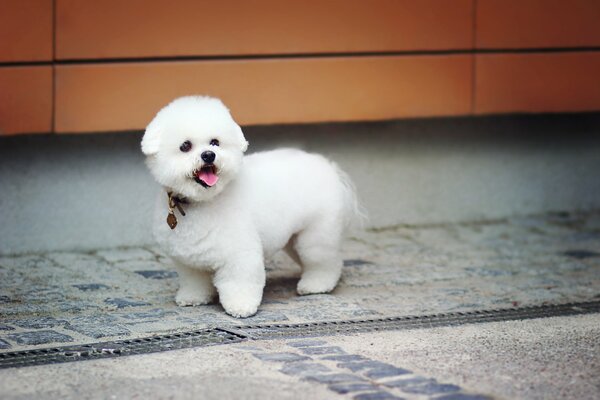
(193,147)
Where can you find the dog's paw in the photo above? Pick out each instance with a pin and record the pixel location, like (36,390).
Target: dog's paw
(240,300)
(241,312)
(186,298)
(239,305)
(314,286)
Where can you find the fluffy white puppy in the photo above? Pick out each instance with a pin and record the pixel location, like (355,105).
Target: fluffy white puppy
(240,210)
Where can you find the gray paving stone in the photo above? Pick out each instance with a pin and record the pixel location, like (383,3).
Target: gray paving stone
(99,331)
(122,303)
(4,327)
(408,382)
(39,337)
(581,254)
(39,322)
(334,378)
(367,364)
(356,262)
(385,372)
(160,274)
(90,286)
(187,317)
(304,368)
(345,358)
(307,343)
(343,388)
(249,348)
(102,319)
(266,316)
(379,395)
(280,357)
(73,307)
(155,313)
(322,350)
(431,388)
(97,326)
(463,396)
(4,344)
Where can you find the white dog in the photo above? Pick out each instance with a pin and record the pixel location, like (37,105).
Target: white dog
(239,210)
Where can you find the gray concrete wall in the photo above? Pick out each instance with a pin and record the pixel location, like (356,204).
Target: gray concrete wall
(93,191)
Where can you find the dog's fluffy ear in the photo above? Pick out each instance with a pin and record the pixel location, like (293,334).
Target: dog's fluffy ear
(151,140)
(242,139)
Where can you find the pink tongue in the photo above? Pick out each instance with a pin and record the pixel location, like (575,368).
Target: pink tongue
(208,177)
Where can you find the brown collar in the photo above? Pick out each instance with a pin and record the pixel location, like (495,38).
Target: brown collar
(174,202)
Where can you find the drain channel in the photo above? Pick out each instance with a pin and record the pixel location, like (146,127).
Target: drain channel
(152,344)
(275,331)
(233,334)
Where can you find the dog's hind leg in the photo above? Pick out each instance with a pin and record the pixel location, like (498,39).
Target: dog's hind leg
(195,287)
(290,250)
(318,249)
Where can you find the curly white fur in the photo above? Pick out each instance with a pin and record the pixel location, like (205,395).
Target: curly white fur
(281,199)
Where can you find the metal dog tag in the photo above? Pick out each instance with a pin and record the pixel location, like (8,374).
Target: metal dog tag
(172,220)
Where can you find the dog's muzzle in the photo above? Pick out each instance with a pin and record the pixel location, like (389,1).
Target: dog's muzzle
(207,175)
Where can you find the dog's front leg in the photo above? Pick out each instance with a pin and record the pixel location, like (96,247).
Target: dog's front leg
(195,287)
(240,284)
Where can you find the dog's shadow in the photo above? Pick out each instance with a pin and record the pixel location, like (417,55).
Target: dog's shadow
(283,275)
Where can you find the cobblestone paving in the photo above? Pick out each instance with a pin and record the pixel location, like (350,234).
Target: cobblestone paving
(82,297)
(363,378)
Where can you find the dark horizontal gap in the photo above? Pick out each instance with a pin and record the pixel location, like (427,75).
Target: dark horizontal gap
(27,64)
(78,61)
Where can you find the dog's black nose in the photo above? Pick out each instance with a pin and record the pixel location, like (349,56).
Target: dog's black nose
(208,156)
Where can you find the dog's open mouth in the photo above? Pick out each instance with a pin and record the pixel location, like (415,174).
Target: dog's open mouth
(207,175)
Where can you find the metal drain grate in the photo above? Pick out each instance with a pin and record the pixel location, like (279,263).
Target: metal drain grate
(275,331)
(224,335)
(153,344)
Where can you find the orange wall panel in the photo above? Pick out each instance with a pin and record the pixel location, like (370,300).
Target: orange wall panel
(25,99)
(109,97)
(543,82)
(537,23)
(163,28)
(25,30)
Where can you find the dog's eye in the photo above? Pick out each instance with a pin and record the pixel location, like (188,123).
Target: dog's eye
(214,142)
(186,146)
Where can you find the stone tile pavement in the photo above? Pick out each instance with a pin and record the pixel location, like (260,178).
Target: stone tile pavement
(81,297)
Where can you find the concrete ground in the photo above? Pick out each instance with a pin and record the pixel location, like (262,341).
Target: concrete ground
(555,358)
(58,298)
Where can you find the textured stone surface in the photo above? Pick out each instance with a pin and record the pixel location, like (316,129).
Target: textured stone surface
(129,292)
(343,388)
(334,378)
(362,365)
(304,369)
(39,337)
(321,350)
(431,388)
(307,343)
(280,357)
(385,372)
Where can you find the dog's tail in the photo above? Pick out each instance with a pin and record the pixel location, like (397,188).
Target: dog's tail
(355,215)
